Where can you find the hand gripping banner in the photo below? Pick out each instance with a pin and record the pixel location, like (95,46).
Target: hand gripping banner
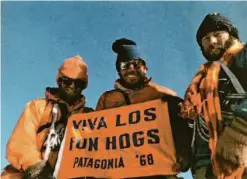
(130,141)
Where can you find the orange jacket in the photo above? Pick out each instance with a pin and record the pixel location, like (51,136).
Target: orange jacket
(116,98)
(151,91)
(26,144)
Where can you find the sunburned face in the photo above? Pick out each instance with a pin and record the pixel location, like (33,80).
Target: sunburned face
(133,72)
(215,44)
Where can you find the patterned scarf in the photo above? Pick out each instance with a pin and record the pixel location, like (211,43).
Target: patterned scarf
(202,97)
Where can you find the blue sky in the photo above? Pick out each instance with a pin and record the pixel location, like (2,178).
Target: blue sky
(38,36)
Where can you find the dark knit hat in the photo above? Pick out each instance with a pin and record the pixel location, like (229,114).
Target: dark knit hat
(215,22)
(126,51)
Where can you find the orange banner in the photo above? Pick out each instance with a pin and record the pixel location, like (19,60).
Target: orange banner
(130,141)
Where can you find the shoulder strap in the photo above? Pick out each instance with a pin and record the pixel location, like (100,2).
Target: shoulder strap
(236,84)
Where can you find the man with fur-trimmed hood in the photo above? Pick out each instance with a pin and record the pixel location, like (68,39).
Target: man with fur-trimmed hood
(33,147)
(134,87)
(218,91)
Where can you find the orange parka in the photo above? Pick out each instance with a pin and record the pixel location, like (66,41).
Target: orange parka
(122,96)
(28,142)
(26,145)
(182,134)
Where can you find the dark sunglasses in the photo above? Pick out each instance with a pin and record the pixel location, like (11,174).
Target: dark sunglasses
(136,63)
(68,81)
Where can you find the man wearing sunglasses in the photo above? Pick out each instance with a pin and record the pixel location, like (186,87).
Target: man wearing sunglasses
(33,148)
(133,86)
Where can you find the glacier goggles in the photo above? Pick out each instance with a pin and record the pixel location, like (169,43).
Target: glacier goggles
(68,81)
(138,63)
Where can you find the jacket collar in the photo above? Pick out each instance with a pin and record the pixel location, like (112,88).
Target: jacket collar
(53,95)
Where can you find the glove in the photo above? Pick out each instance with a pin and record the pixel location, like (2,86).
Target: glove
(39,170)
(181,165)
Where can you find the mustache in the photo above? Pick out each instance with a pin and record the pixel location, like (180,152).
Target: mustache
(71,89)
(132,73)
(215,46)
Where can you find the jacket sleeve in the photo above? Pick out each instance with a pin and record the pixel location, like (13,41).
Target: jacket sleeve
(170,91)
(163,89)
(182,134)
(22,150)
(101,103)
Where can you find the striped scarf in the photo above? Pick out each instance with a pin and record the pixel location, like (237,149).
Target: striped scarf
(202,97)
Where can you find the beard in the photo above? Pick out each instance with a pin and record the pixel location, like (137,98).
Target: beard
(218,51)
(69,95)
(133,84)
